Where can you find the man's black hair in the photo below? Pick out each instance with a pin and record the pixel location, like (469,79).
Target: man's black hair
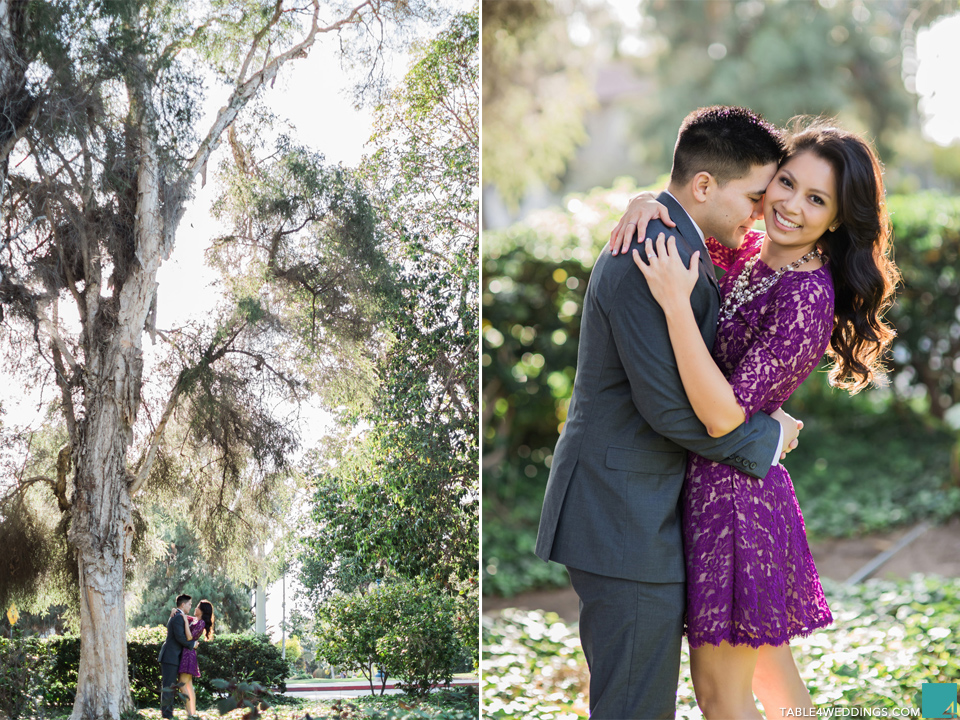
(181,599)
(726,142)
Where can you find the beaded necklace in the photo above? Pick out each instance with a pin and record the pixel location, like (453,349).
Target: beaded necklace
(742,293)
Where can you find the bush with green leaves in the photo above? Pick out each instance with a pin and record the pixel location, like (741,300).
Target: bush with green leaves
(22,663)
(52,664)
(245,694)
(421,646)
(406,629)
(887,639)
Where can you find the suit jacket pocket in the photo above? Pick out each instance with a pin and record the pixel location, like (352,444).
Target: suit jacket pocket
(648,462)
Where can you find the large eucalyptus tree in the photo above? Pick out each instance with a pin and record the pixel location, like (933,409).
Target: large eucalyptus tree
(100,147)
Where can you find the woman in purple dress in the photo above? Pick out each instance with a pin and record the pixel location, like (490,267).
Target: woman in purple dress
(199,626)
(818,281)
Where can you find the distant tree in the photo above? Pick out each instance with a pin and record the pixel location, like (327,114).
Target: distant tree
(536,92)
(181,568)
(784,59)
(403,498)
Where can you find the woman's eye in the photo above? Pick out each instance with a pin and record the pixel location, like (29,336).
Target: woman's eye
(786,182)
(816,199)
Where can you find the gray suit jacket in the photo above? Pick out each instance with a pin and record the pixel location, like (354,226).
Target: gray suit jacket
(176,641)
(611,504)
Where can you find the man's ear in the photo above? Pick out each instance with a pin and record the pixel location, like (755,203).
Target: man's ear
(702,184)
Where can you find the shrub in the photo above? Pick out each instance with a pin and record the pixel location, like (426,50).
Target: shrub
(420,644)
(406,629)
(63,654)
(349,626)
(20,664)
(294,652)
(54,663)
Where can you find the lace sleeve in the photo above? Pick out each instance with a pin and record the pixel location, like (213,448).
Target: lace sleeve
(791,338)
(724,257)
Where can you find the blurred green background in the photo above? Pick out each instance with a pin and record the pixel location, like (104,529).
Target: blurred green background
(582,100)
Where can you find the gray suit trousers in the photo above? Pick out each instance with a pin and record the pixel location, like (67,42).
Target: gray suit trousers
(630,632)
(168,677)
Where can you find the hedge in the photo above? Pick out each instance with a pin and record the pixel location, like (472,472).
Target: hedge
(57,660)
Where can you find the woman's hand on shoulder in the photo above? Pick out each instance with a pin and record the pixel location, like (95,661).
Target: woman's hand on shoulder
(640,211)
(669,281)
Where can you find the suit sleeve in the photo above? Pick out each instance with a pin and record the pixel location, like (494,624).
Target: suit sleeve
(180,635)
(640,332)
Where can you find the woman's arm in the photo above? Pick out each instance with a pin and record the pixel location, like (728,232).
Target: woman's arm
(186,627)
(710,394)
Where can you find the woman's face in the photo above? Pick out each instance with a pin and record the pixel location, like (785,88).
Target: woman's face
(801,201)
(197,613)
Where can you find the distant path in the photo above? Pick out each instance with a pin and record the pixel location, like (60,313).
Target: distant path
(937,552)
(353,688)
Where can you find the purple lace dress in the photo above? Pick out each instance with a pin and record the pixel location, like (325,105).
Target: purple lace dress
(188,658)
(750,577)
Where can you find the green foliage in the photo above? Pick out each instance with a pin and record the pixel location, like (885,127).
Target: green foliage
(927,311)
(40,573)
(242,656)
(183,568)
(887,639)
(401,500)
(854,470)
(294,651)
(305,241)
(404,629)
(458,704)
(347,633)
(20,668)
(53,664)
(420,645)
(532,126)
(847,486)
(243,694)
(847,72)
(425,169)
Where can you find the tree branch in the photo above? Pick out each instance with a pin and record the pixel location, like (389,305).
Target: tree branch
(242,94)
(145,463)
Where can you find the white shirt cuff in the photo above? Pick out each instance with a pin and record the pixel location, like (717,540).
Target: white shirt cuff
(776,458)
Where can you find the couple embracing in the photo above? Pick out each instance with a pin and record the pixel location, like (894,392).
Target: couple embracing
(178,654)
(666,500)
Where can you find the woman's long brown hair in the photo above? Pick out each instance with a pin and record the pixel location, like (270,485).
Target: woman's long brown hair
(858,253)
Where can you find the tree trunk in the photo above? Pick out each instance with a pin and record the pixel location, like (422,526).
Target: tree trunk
(100,531)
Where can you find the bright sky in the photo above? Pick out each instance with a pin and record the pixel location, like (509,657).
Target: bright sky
(938,53)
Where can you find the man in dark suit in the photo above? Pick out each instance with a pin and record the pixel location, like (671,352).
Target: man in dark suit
(170,653)
(610,513)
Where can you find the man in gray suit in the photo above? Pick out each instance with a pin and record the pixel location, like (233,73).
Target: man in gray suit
(170,653)
(611,513)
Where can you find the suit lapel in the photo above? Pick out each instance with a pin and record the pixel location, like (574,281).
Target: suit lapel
(688,233)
